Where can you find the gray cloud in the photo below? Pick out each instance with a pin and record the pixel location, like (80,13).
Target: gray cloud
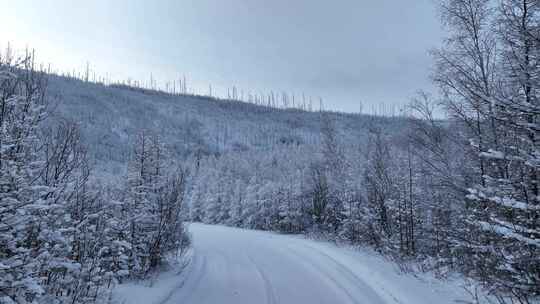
(344,51)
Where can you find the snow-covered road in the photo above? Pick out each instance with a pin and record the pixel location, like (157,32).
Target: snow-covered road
(235,266)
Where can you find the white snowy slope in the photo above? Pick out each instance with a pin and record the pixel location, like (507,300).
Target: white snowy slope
(241,266)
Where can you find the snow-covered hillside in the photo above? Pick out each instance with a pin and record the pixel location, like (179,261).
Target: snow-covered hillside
(111,116)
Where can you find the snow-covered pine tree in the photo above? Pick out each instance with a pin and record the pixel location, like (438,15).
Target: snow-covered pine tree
(333,172)
(21,204)
(155,202)
(69,214)
(380,191)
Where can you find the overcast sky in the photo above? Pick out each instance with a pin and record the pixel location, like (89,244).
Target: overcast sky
(345,51)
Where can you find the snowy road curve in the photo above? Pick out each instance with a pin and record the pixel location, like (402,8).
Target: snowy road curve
(241,266)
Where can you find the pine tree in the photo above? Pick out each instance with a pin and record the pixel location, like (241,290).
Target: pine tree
(22,201)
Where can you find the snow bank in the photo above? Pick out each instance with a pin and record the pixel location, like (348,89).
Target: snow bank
(156,290)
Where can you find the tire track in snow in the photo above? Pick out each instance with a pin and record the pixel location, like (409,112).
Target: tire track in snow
(324,273)
(271,297)
(227,264)
(198,275)
(351,274)
(189,268)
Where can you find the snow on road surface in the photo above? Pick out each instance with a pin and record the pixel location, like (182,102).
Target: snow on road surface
(236,266)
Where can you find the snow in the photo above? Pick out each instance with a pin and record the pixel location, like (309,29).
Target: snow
(492,154)
(109,118)
(502,201)
(503,229)
(157,290)
(238,266)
